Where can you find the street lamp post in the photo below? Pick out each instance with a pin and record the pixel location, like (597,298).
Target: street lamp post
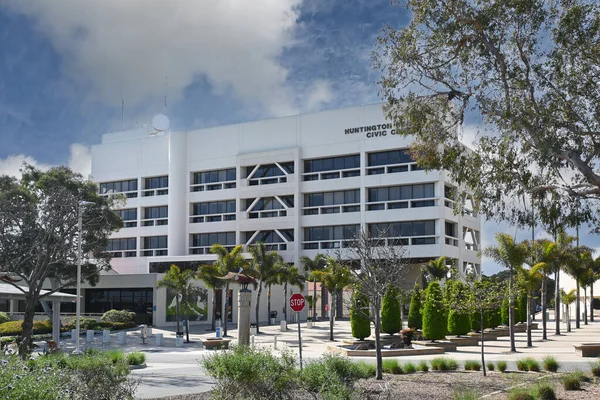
(80,207)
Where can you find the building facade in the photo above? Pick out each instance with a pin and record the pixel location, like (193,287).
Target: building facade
(303,185)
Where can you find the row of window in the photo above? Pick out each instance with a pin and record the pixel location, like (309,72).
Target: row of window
(406,192)
(212,180)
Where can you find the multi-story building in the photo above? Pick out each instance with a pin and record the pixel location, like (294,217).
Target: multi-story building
(302,185)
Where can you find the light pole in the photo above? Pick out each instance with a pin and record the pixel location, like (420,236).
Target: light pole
(80,207)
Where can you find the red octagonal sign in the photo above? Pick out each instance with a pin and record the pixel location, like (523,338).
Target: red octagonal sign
(297,302)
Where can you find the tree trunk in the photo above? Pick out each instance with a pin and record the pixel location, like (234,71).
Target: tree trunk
(577,309)
(557,302)
(331,314)
(585,321)
(568,318)
(592,302)
(339,303)
(544,332)
(226,318)
(511,312)
(529,341)
(285,285)
(379,374)
(27,326)
(324,295)
(482,344)
(257,308)
(213,324)
(314,307)
(269,305)
(187,323)
(177,311)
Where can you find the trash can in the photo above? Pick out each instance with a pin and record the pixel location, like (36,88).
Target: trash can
(218,332)
(273,317)
(159,339)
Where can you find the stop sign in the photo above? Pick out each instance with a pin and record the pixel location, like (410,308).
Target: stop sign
(297,302)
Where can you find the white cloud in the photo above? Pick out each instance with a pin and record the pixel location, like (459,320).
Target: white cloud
(79,161)
(321,93)
(235,44)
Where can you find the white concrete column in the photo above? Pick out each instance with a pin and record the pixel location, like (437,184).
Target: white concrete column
(178,194)
(244,303)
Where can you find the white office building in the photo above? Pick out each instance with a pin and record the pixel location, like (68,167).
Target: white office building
(303,185)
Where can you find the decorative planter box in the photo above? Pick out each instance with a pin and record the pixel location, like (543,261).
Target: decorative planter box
(444,344)
(463,340)
(588,349)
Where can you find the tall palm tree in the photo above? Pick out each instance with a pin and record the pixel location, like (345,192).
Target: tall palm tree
(531,280)
(209,274)
(596,268)
(309,265)
(264,267)
(335,277)
(587,279)
(561,258)
(289,275)
(436,269)
(177,281)
(568,299)
(579,261)
(511,256)
(538,253)
(228,261)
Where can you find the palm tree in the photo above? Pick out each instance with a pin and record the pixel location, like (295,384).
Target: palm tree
(531,280)
(537,256)
(436,269)
(511,256)
(579,261)
(289,275)
(209,274)
(587,278)
(178,282)
(596,268)
(310,265)
(335,277)
(568,299)
(561,258)
(228,261)
(264,267)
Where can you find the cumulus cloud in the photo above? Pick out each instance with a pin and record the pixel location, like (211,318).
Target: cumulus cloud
(321,93)
(234,44)
(80,160)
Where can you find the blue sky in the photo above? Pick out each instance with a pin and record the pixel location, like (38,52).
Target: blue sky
(64,62)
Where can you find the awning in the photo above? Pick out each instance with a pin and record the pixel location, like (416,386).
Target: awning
(12,293)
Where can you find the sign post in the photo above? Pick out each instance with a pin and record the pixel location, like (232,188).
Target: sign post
(297,304)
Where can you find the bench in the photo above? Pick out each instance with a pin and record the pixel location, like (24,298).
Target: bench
(216,343)
(588,349)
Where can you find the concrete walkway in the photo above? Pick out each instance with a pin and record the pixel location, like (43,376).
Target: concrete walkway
(174,370)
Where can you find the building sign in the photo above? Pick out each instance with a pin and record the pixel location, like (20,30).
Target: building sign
(373,131)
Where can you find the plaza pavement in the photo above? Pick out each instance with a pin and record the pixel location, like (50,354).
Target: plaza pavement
(174,370)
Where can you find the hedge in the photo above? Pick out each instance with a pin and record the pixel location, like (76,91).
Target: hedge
(13,328)
(118,316)
(359,316)
(390,312)
(4,317)
(434,321)
(415,319)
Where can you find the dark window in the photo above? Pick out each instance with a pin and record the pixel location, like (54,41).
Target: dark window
(389,158)
(137,300)
(332,163)
(332,198)
(119,187)
(323,233)
(270,236)
(155,242)
(403,229)
(129,214)
(406,192)
(156,212)
(208,239)
(156,182)
(214,207)
(200,178)
(269,170)
(121,244)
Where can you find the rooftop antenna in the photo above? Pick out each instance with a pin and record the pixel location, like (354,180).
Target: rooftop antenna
(122,108)
(166,91)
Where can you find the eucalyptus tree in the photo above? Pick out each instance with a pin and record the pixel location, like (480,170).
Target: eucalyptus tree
(210,274)
(40,234)
(528,68)
(264,268)
(309,265)
(511,256)
(228,261)
(289,275)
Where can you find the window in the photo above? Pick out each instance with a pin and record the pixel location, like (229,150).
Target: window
(271,239)
(390,158)
(269,173)
(405,229)
(334,163)
(217,210)
(153,186)
(154,246)
(155,216)
(312,200)
(200,243)
(394,196)
(124,247)
(126,187)
(333,236)
(129,217)
(213,180)
(131,299)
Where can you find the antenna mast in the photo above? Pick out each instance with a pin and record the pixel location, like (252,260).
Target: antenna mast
(122,108)
(166,91)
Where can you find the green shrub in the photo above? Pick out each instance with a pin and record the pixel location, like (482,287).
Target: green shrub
(458,323)
(472,365)
(359,316)
(596,369)
(246,372)
(528,364)
(522,364)
(366,369)
(391,366)
(115,356)
(409,368)
(490,366)
(118,316)
(520,394)
(4,317)
(465,395)
(332,374)
(434,323)
(550,364)
(13,328)
(390,312)
(136,358)
(443,364)
(571,382)
(501,366)
(423,366)
(544,391)
(415,319)
(521,310)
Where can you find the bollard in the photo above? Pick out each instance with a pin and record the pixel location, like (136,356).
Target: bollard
(179,341)
(159,338)
(89,336)
(275,342)
(122,337)
(283,326)
(106,336)
(73,334)
(252,340)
